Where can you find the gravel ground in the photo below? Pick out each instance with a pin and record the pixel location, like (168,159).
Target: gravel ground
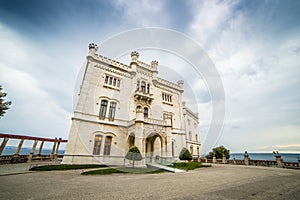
(217,182)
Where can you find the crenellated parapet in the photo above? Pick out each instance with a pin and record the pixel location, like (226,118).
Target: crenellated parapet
(169,84)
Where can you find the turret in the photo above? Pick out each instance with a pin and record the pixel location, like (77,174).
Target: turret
(93,48)
(134,56)
(180,84)
(133,63)
(154,64)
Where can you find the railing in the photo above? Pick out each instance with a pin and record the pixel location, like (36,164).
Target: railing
(267,163)
(17,158)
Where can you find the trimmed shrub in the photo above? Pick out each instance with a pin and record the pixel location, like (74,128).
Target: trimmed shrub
(134,154)
(185,154)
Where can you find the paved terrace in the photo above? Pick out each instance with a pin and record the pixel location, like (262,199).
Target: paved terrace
(217,182)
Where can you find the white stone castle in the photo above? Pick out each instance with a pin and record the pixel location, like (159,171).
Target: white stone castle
(123,105)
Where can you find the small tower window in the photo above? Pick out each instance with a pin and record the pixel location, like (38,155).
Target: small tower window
(145,112)
(148,88)
(143,86)
(138,85)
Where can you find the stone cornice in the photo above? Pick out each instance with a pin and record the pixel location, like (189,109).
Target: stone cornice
(191,113)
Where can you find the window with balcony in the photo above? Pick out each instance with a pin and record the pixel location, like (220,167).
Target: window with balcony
(143,87)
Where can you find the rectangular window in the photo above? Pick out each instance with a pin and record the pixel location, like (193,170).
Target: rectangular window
(103,108)
(97,145)
(167,97)
(107,145)
(112,110)
(112,81)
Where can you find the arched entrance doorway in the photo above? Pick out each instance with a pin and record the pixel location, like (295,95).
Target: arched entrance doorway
(131,140)
(154,148)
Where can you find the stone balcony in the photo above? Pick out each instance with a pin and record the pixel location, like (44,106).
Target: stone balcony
(149,121)
(143,97)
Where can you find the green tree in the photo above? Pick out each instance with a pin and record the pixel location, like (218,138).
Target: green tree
(219,151)
(185,154)
(4,105)
(134,154)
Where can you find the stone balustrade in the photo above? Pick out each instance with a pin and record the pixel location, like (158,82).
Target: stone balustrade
(155,121)
(17,158)
(247,161)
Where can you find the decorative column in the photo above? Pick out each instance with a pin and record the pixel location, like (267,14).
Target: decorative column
(19,147)
(40,149)
(214,158)
(53,149)
(56,150)
(278,159)
(32,150)
(224,159)
(3,144)
(246,158)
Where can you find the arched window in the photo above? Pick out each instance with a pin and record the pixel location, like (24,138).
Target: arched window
(138,85)
(143,86)
(148,88)
(103,108)
(112,110)
(173,148)
(191,149)
(97,145)
(196,137)
(107,145)
(198,151)
(138,109)
(145,112)
(131,140)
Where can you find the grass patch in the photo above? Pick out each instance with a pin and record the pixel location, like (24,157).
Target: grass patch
(122,170)
(188,165)
(64,167)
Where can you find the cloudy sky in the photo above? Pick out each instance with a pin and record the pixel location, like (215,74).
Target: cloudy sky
(255,45)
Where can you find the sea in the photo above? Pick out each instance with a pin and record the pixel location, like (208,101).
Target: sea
(10,150)
(287,157)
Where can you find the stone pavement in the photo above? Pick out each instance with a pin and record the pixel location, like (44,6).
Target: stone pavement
(21,168)
(217,182)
